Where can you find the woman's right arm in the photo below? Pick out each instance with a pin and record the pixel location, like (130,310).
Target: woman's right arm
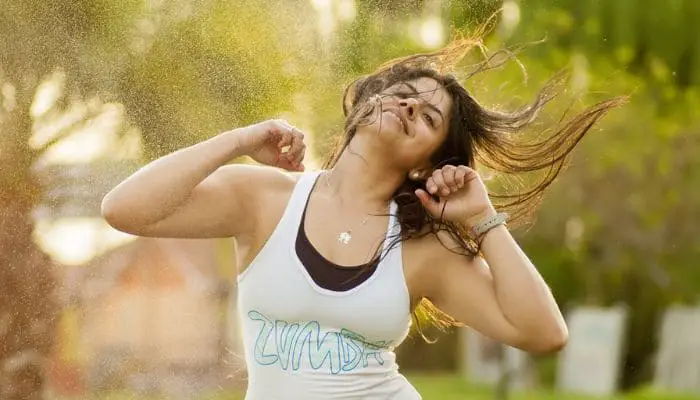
(191,193)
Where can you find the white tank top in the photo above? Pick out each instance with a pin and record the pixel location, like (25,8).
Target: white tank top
(302,341)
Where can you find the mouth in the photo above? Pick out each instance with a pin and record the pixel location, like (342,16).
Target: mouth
(400,120)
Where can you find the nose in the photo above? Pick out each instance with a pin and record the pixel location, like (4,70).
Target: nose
(409,106)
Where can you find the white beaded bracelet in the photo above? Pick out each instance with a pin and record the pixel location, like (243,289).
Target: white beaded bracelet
(489,223)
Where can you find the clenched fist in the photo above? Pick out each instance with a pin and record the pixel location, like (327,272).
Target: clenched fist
(274,142)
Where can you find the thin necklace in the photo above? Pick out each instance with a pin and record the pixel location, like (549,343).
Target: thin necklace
(344,237)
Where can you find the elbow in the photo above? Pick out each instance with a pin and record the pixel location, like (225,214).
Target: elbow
(109,210)
(555,343)
(550,342)
(110,215)
(114,216)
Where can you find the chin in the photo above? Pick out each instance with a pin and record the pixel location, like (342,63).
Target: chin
(386,133)
(391,128)
(393,132)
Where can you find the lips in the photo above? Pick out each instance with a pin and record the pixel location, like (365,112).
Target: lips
(400,119)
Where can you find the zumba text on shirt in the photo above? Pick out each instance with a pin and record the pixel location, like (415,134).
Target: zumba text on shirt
(291,344)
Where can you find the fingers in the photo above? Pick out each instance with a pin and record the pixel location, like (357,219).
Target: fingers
(436,184)
(428,202)
(461,174)
(449,179)
(297,149)
(291,146)
(448,175)
(283,132)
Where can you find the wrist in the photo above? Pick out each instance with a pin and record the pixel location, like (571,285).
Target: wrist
(232,141)
(490,220)
(475,219)
(484,239)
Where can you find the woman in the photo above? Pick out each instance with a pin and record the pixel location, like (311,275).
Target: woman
(333,262)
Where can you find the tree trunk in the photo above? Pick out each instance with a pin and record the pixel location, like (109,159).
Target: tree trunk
(28,309)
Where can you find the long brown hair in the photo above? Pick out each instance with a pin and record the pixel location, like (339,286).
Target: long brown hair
(476,136)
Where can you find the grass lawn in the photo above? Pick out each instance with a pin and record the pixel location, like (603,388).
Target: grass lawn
(440,387)
(452,387)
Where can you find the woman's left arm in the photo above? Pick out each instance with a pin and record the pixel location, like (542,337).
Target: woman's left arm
(502,294)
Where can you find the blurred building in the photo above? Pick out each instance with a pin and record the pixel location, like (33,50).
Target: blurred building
(152,317)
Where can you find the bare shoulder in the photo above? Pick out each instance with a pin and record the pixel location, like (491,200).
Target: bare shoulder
(266,188)
(432,247)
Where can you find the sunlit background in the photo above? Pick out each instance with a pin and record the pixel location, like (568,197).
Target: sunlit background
(92,89)
(74,241)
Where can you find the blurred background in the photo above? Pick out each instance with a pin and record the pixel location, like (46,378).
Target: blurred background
(92,89)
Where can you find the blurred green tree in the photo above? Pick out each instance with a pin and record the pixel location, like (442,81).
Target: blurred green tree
(618,228)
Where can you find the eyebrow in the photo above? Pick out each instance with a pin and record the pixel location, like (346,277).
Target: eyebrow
(429,104)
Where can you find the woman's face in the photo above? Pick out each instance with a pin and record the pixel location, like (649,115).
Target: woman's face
(414,120)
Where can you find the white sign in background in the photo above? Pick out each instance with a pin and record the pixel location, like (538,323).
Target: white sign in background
(678,357)
(591,361)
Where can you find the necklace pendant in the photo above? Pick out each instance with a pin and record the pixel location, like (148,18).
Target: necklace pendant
(345,237)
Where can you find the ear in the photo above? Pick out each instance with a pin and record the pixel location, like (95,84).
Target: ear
(419,174)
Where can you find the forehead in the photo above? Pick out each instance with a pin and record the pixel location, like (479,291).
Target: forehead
(431,91)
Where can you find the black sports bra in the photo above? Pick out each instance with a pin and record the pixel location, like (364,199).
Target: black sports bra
(326,274)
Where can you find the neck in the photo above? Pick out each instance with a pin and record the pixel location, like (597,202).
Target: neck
(361,178)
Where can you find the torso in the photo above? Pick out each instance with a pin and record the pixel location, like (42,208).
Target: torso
(303,340)
(322,228)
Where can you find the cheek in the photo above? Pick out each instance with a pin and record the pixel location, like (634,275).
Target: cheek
(429,140)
